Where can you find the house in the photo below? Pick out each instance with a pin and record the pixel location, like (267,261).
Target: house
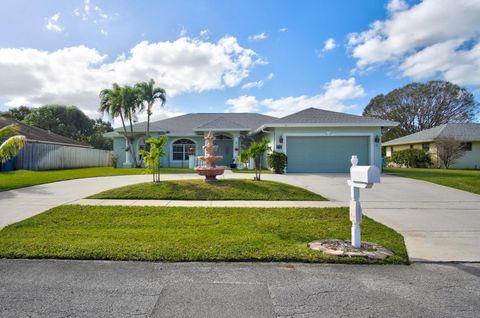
(425,139)
(46,150)
(314,140)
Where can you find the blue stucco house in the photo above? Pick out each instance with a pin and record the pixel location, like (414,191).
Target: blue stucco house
(314,140)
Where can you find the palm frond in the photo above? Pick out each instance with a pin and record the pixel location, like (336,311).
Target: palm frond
(9,131)
(10,147)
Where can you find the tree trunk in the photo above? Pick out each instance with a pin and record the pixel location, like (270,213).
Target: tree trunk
(131,142)
(260,170)
(126,136)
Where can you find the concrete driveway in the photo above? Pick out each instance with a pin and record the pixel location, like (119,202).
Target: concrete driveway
(438,223)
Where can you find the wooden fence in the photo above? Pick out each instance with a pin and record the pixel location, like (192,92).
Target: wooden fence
(43,156)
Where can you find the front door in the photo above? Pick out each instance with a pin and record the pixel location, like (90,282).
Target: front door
(225,149)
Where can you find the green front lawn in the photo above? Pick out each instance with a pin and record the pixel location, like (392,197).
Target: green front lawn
(24,178)
(198,189)
(189,234)
(467,180)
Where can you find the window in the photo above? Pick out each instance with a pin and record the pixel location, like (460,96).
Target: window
(467,146)
(182,149)
(426,147)
(411,146)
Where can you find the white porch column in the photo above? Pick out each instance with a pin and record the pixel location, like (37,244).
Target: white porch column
(236,146)
(128,159)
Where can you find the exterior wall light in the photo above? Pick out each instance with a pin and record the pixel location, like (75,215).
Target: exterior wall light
(377,139)
(280,140)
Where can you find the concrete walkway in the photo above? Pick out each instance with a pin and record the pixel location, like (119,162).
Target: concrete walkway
(46,288)
(438,223)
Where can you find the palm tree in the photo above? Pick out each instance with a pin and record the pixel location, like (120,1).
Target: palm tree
(131,104)
(112,101)
(149,94)
(13,143)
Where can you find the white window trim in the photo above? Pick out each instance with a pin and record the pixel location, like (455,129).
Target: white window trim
(330,134)
(171,148)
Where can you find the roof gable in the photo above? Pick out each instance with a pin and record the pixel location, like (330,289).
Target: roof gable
(221,123)
(318,117)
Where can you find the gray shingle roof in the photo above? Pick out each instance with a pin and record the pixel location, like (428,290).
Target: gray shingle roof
(185,125)
(465,132)
(315,116)
(221,123)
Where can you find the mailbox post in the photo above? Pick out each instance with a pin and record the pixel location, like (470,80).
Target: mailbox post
(360,177)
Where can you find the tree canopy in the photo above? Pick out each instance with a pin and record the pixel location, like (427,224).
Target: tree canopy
(68,121)
(420,106)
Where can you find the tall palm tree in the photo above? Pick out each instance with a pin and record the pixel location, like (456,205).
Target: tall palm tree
(131,104)
(112,102)
(12,143)
(149,94)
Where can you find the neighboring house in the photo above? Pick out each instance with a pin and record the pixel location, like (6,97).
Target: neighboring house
(425,139)
(314,140)
(46,150)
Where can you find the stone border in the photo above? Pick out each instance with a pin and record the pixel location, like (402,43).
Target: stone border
(345,248)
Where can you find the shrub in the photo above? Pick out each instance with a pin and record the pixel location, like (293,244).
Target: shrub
(412,158)
(277,161)
(114,160)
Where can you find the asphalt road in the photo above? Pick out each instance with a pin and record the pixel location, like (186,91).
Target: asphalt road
(56,288)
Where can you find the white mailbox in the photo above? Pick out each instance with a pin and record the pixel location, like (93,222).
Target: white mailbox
(360,177)
(365,174)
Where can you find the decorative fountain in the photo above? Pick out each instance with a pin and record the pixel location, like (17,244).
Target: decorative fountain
(210,170)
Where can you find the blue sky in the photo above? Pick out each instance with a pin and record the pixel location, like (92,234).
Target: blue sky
(274,57)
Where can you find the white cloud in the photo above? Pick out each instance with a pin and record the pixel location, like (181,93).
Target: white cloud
(283,29)
(53,23)
(416,41)
(205,34)
(396,5)
(85,12)
(336,93)
(75,75)
(335,96)
(270,76)
(329,45)
(255,84)
(103,32)
(242,104)
(258,37)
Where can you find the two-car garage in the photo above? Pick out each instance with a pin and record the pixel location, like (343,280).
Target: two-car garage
(319,154)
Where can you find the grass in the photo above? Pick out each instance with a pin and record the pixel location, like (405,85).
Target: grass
(250,171)
(230,189)
(24,178)
(176,234)
(466,180)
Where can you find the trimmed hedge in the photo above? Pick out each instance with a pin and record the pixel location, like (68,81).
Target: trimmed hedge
(412,158)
